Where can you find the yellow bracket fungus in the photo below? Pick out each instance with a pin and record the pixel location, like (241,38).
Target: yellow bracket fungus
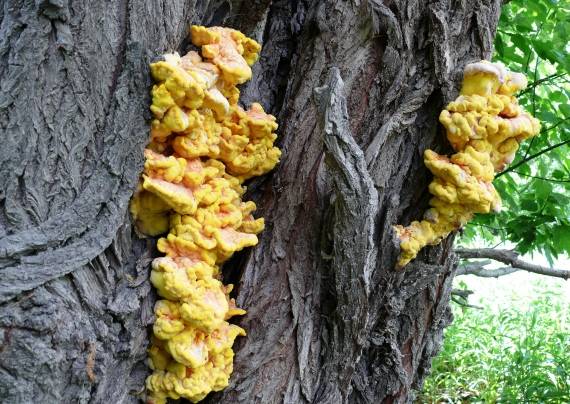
(485,126)
(203,146)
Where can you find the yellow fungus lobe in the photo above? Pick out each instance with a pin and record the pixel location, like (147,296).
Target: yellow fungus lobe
(485,126)
(202,147)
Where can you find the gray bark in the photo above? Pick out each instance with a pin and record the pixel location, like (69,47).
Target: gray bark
(508,257)
(329,320)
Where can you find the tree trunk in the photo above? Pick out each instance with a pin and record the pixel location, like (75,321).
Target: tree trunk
(329,319)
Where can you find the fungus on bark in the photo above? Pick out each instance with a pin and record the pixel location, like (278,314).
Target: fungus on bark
(203,146)
(485,126)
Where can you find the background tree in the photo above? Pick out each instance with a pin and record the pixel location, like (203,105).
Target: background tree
(329,319)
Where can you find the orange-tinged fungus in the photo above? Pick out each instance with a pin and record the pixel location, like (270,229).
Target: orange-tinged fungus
(231,51)
(485,126)
(151,214)
(203,145)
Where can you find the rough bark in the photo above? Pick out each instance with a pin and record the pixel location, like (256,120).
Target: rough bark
(329,320)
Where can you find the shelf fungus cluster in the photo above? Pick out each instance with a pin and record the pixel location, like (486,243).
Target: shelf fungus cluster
(203,146)
(485,126)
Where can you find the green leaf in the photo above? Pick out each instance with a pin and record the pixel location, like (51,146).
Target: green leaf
(561,238)
(565,109)
(542,189)
(529,205)
(499,45)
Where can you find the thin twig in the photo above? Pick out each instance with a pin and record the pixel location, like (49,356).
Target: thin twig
(543,80)
(465,304)
(535,36)
(540,178)
(527,151)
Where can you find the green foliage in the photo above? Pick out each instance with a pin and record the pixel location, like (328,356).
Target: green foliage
(532,37)
(513,355)
(520,353)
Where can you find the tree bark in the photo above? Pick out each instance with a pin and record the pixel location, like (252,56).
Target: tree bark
(329,319)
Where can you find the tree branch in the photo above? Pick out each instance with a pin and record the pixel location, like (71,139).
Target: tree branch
(464,293)
(512,259)
(471,266)
(460,296)
(480,270)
